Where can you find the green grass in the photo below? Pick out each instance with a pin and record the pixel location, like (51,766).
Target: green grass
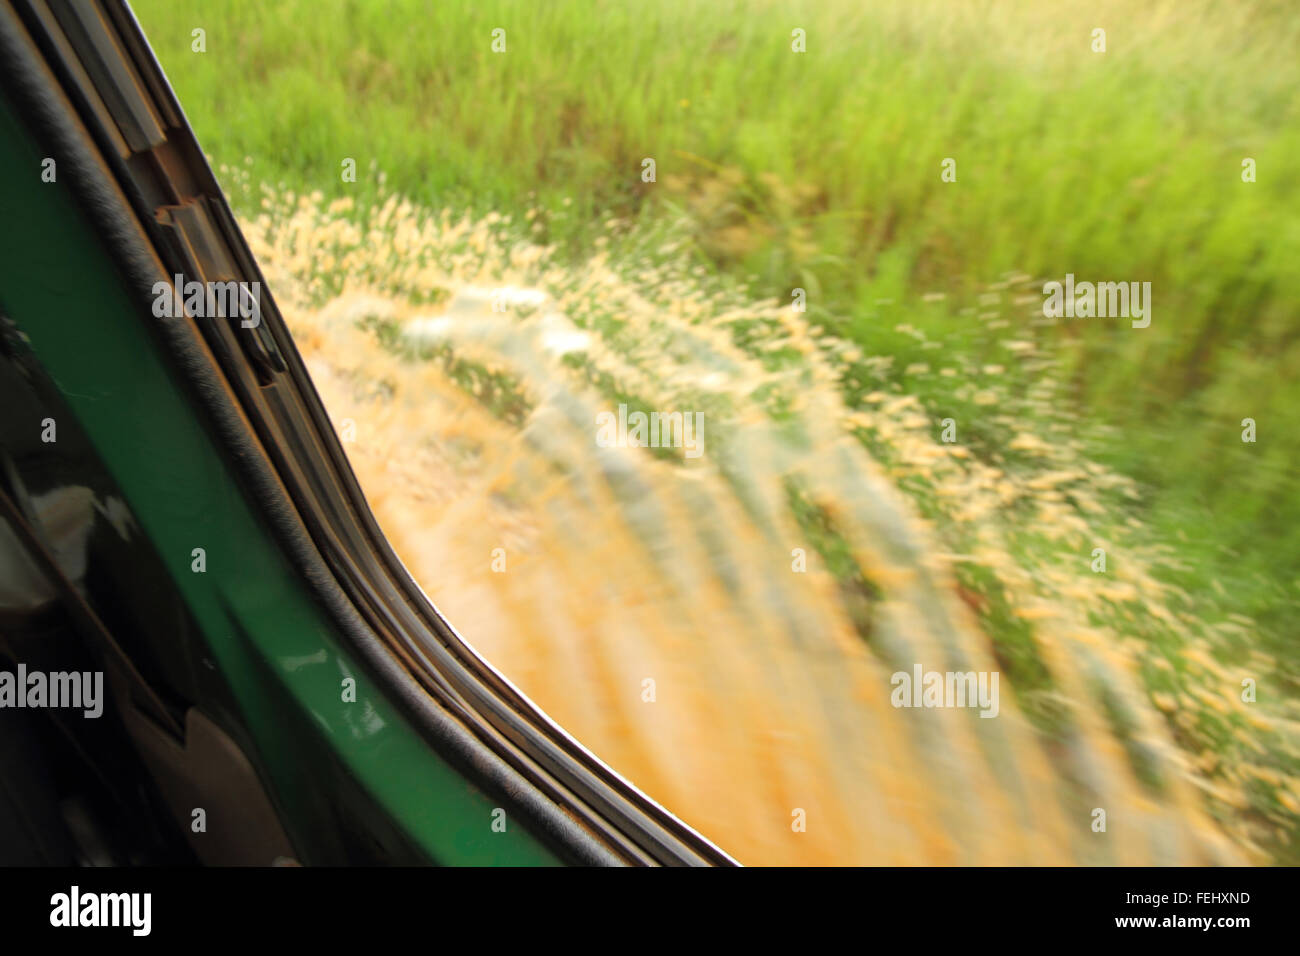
(822,170)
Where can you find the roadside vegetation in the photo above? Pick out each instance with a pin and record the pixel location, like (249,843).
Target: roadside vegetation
(821,171)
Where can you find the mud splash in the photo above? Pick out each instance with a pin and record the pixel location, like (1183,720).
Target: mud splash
(651,602)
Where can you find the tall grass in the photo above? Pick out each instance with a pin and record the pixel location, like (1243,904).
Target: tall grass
(822,171)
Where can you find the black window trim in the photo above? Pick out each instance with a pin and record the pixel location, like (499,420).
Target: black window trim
(293,457)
